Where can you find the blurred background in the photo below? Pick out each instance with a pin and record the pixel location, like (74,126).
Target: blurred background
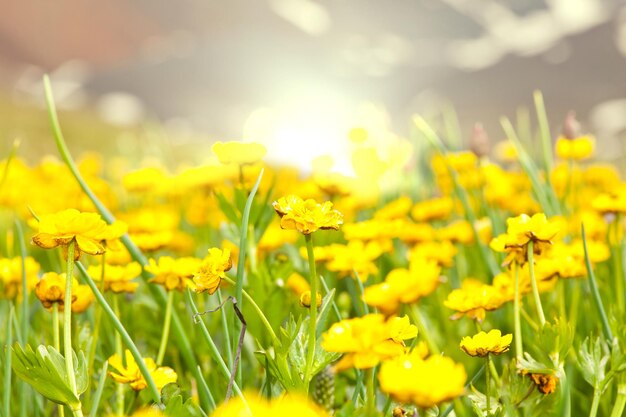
(300,74)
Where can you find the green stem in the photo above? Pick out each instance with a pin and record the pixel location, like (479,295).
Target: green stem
(546,139)
(371,393)
(616,261)
(119,349)
(56,342)
(98,395)
(620,401)
(25,321)
(516,317)
(119,327)
(416,316)
(594,290)
(311,343)
(229,351)
(494,373)
(488,389)
(67,319)
(533,282)
(595,403)
(166,328)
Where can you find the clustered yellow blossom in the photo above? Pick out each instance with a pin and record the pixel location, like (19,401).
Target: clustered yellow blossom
(426,383)
(483,344)
(212,270)
(474,298)
(131,375)
(367,340)
(306,216)
(404,286)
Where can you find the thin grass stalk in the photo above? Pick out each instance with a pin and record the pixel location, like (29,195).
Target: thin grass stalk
(229,349)
(98,395)
(594,290)
(519,350)
(158,293)
(19,232)
(620,401)
(256,308)
(166,327)
(544,129)
(119,349)
(119,327)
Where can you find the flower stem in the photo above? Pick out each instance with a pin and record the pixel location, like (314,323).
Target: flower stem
(256,307)
(312,312)
(56,341)
(166,328)
(119,349)
(595,403)
(594,290)
(488,378)
(371,393)
(620,401)
(533,282)
(67,324)
(516,317)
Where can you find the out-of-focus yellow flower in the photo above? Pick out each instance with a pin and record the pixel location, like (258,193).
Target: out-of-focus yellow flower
(306,216)
(11,276)
(334,184)
(426,383)
(505,151)
(212,270)
(150,179)
(297,284)
(173,274)
(274,237)
(367,340)
(285,406)
(457,232)
(474,298)
(575,149)
(433,209)
(404,286)
(396,209)
(239,153)
(442,252)
(88,230)
(521,230)
(152,228)
(130,374)
(82,298)
(117,278)
(611,202)
(355,256)
(483,344)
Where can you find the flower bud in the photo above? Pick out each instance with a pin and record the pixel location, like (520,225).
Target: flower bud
(305,299)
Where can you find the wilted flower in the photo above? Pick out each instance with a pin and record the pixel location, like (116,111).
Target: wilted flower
(306,216)
(212,269)
(130,374)
(50,290)
(483,344)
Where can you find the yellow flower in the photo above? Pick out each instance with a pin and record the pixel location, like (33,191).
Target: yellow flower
(367,340)
(611,202)
(483,344)
(396,209)
(575,149)
(173,274)
(117,278)
(145,180)
(88,230)
(297,284)
(130,374)
(521,230)
(11,276)
(433,209)
(426,383)
(404,286)
(306,216)
(474,298)
(238,152)
(355,256)
(212,270)
(51,290)
(285,406)
(442,252)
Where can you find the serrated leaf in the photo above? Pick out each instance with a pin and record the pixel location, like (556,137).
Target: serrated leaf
(177,408)
(44,370)
(594,355)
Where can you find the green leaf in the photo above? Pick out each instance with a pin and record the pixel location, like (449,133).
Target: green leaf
(592,361)
(44,370)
